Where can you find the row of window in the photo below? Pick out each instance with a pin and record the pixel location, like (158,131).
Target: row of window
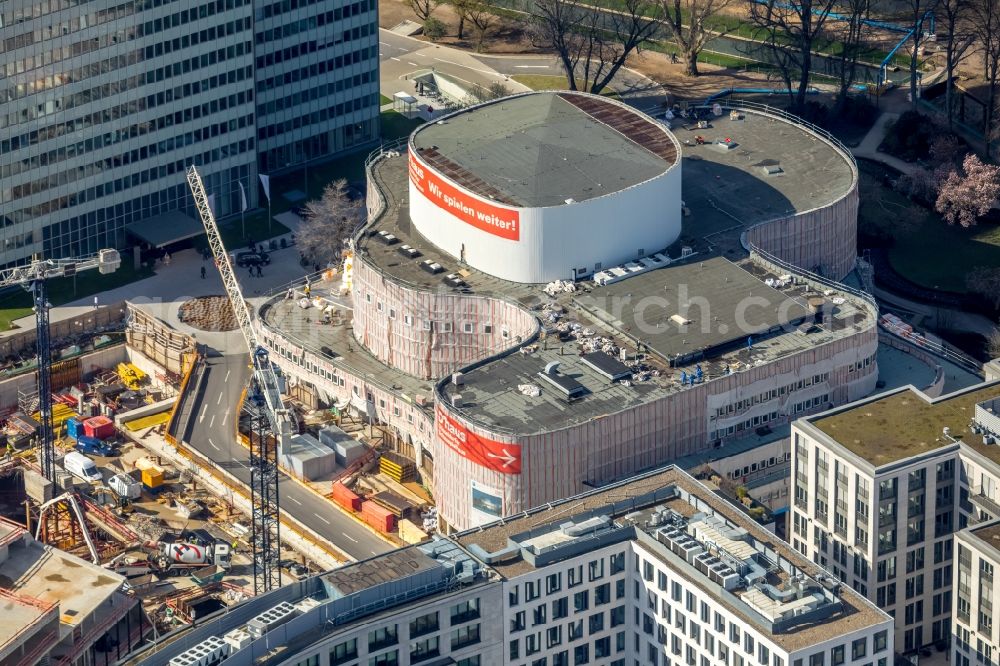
(315,21)
(74,23)
(161,147)
(332,112)
(315,69)
(297,99)
(285,7)
(296,51)
(116,112)
(126,133)
(139,177)
(747,403)
(134,57)
(761,466)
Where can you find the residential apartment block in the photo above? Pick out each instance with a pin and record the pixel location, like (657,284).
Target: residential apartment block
(655,570)
(880,489)
(103,104)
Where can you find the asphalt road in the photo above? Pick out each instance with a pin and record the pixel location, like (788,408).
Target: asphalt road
(212,434)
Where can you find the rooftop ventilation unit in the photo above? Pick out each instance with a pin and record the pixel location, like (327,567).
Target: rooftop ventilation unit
(431,267)
(454,280)
(569,387)
(408,252)
(387,238)
(607,366)
(270,619)
(209,652)
(772,170)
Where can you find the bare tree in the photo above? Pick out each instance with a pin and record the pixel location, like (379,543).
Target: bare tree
(959,38)
(328,223)
(852,32)
(686,22)
(461,8)
(789,30)
(993,343)
(423,8)
(967,195)
(986,21)
(918,18)
(592,41)
(481,16)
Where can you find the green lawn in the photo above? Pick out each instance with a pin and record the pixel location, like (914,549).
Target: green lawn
(63,290)
(938,256)
(395,125)
(383,100)
(926,250)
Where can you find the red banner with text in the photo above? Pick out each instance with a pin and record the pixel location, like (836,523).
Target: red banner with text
(498,456)
(496,220)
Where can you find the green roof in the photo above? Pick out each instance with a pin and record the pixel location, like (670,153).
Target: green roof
(906,424)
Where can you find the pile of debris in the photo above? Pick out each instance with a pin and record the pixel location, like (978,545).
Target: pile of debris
(208,313)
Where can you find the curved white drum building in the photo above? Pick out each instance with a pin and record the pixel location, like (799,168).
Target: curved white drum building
(535,188)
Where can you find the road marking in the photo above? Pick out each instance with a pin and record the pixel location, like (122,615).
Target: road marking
(474,69)
(532,66)
(374,553)
(227,376)
(219,401)
(295,500)
(224,417)
(213,444)
(322,518)
(349,537)
(211,423)
(396,59)
(384,44)
(204,408)
(380,54)
(410,62)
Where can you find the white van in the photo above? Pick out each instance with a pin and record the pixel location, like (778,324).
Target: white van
(81,466)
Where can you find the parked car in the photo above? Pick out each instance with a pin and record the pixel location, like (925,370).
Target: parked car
(95,447)
(245,259)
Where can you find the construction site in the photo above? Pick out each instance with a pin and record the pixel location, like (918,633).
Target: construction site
(101,474)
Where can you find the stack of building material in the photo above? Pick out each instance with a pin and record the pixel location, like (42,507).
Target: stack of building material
(397,468)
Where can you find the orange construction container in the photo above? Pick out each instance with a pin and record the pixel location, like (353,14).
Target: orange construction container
(346,498)
(378,517)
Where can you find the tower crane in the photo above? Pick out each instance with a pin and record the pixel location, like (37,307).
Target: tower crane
(32,277)
(268,412)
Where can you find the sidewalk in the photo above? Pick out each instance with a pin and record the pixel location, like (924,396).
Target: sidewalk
(162,294)
(868,148)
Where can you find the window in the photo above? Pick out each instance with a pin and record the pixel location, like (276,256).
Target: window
(468,661)
(553,636)
(616,563)
(575,575)
(581,654)
(596,622)
(380,638)
(581,601)
(465,611)
(574,630)
(344,652)
(560,608)
(817,659)
(424,624)
(387,659)
(837,655)
(553,583)
(464,636)
(596,570)
(408,320)
(425,649)
(468,327)
(602,647)
(859,649)
(881,642)
(602,594)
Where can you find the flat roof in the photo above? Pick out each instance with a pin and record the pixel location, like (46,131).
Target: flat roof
(907,423)
(988,534)
(50,575)
(689,308)
(540,149)
(856,613)
(166,228)
(385,568)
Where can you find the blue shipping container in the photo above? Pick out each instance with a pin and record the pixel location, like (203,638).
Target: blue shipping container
(74,428)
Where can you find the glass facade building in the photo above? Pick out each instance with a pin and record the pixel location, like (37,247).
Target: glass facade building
(104,103)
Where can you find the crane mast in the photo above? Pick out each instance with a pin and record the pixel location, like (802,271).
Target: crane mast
(32,277)
(267,410)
